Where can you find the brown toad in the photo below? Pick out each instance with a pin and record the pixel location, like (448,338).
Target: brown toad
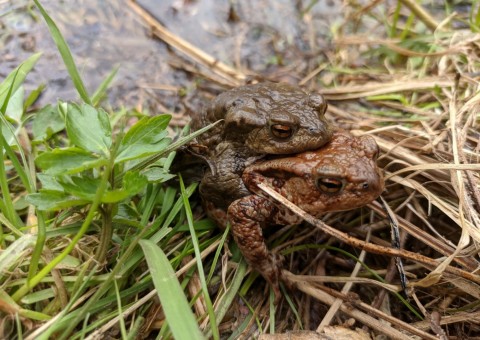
(260,119)
(342,175)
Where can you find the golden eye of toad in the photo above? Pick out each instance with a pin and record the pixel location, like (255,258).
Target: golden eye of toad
(281,131)
(330,185)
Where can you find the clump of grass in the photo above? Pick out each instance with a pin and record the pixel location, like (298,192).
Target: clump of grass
(79,197)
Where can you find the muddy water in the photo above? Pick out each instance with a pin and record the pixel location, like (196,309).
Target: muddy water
(255,36)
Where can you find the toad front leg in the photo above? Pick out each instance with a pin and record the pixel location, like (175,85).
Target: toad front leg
(248,216)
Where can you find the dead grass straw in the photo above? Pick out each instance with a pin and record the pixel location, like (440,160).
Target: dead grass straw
(424,115)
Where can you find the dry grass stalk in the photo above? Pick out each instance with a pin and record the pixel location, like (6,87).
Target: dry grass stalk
(326,297)
(422,14)
(375,88)
(332,311)
(393,45)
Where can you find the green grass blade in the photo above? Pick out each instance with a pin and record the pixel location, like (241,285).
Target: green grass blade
(102,89)
(39,245)
(8,95)
(66,54)
(14,251)
(22,168)
(8,208)
(15,79)
(175,305)
(198,257)
(231,293)
(121,321)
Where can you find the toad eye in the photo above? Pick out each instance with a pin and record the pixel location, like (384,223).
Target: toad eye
(281,131)
(330,185)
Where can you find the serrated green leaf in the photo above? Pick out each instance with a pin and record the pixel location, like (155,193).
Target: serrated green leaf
(80,186)
(134,182)
(174,303)
(142,164)
(67,161)
(146,137)
(54,200)
(16,78)
(127,212)
(47,122)
(86,187)
(89,128)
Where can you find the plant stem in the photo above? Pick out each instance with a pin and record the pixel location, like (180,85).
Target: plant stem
(105,234)
(39,244)
(7,206)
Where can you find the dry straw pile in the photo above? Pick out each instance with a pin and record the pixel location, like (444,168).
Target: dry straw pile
(419,97)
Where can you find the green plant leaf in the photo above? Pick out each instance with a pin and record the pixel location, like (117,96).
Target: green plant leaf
(145,138)
(80,186)
(49,182)
(175,305)
(13,114)
(47,122)
(54,200)
(15,251)
(67,161)
(133,183)
(14,109)
(142,164)
(86,187)
(157,174)
(66,54)
(89,128)
(16,78)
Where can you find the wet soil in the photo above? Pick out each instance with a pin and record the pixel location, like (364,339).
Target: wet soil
(259,38)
